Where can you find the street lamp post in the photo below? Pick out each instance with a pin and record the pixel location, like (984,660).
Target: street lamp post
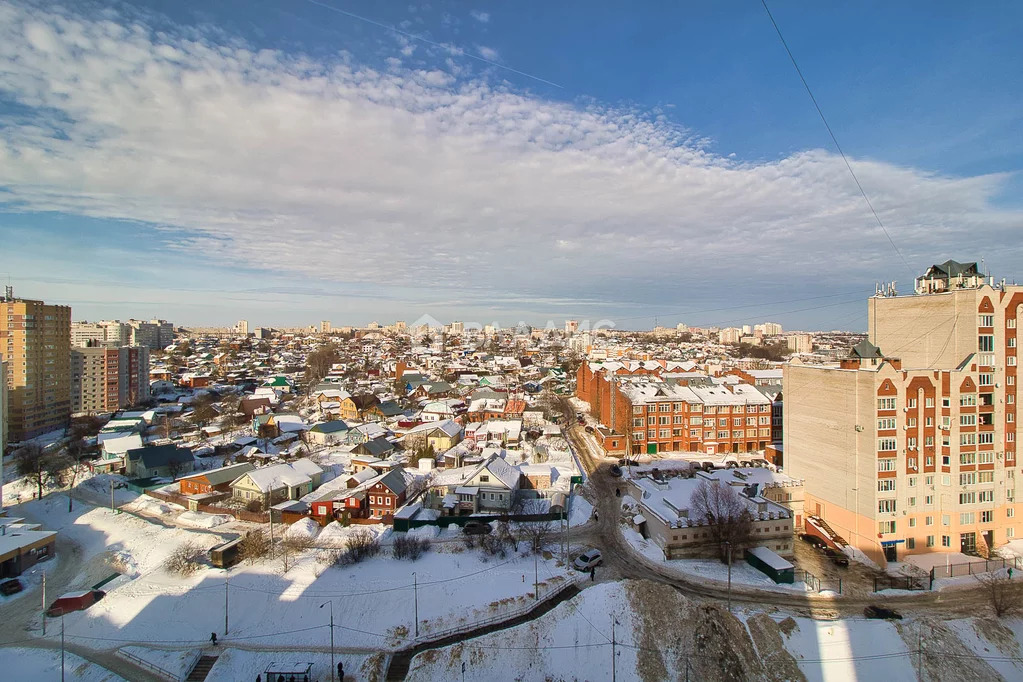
(331,603)
(415,592)
(728,548)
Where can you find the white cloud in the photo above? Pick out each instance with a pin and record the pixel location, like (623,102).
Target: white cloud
(419,178)
(482,17)
(488,53)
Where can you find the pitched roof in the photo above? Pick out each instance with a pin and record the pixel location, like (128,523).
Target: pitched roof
(865,349)
(336,426)
(274,477)
(376,446)
(160,455)
(223,474)
(393,480)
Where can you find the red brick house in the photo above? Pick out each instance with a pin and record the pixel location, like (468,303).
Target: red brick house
(387,494)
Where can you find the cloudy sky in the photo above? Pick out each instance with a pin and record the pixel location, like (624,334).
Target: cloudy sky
(287,162)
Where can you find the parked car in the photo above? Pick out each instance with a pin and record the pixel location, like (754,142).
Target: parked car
(589,429)
(587,560)
(616,470)
(812,540)
(875,611)
(10,587)
(624,462)
(74,601)
(476,528)
(837,558)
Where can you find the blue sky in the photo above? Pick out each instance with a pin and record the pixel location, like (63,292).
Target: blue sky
(289,162)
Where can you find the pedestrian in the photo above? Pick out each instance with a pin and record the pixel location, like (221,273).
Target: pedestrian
(618,492)
(1010,572)
(595,517)
(259,678)
(593,573)
(213,638)
(341,671)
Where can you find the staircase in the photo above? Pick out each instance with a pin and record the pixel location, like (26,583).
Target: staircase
(822,525)
(201,669)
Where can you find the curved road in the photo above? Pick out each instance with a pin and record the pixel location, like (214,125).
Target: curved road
(623,561)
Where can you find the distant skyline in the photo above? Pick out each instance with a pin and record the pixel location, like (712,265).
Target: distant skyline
(292,162)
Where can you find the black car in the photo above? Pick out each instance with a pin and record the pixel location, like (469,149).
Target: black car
(616,471)
(628,463)
(812,540)
(589,429)
(10,587)
(837,558)
(874,611)
(476,528)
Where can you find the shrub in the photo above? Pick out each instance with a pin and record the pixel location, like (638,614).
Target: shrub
(185,560)
(255,545)
(494,545)
(410,548)
(360,545)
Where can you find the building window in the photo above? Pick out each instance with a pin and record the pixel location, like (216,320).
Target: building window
(928,402)
(886,403)
(930,541)
(946,541)
(886,423)
(928,520)
(987,516)
(911,403)
(966,519)
(886,527)
(886,485)
(886,444)
(886,506)
(986,343)
(911,542)
(985,320)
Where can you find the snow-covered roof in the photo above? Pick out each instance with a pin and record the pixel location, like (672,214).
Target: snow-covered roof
(274,477)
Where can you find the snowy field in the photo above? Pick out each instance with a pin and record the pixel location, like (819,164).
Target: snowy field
(832,651)
(44,664)
(236,664)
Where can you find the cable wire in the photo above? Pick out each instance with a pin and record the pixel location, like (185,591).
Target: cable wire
(835,139)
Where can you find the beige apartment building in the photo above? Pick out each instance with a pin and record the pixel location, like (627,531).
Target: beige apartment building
(105,379)
(110,332)
(909,445)
(35,343)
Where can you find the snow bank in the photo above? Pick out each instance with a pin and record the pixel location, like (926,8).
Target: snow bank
(427,532)
(581,510)
(850,650)
(198,519)
(303,529)
(145,504)
(237,664)
(335,535)
(44,664)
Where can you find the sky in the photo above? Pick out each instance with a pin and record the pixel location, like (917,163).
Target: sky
(290,162)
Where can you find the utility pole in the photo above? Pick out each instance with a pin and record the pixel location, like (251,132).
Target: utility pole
(44,604)
(728,547)
(415,591)
(536,578)
(614,653)
(62,647)
(226,602)
(919,654)
(111,494)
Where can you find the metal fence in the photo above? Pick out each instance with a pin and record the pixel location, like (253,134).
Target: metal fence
(816,584)
(900,582)
(975,568)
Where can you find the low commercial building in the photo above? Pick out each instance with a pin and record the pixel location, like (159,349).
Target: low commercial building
(21,549)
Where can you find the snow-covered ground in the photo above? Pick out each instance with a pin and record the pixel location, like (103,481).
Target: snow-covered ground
(25,663)
(582,510)
(237,664)
(828,651)
(177,663)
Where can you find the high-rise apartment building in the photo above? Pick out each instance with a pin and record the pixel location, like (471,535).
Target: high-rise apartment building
(909,444)
(571,326)
(107,332)
(325,327)
(153,334)
(799,343)
(35,343)
(242,328)
(105,379)
(3,424)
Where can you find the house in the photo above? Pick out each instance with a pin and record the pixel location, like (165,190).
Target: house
(254,405)
(538,476)
(115,445)
(353,407)
(279,383)
(433,390)
(328,433)
(490,486)
(441,436)
(376,447)
(439,410)
(213,481)
(265,426)
(158,461)
(386,494)
(272,484)
(384,410)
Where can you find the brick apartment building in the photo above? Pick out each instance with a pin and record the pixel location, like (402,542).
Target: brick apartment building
(105,379)
(35,343)
(656,406)
(909,444)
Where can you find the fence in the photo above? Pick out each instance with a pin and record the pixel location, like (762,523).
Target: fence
(816,584)
(240,514)
(974,568)
(143,663)
(445,521)
(901,582)
(499,618)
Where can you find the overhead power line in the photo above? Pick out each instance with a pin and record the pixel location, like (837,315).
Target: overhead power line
(912,273)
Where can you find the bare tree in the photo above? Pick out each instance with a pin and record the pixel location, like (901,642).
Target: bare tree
(203,411)
(42,466)
(537,531)
(165,427)
(1005,594)
(726,514)
(254,546)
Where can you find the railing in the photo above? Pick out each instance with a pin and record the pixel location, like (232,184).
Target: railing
(143,663)
(974,568)
(499,618)
(816,584)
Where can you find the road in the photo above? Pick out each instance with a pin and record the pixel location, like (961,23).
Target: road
(622,561)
